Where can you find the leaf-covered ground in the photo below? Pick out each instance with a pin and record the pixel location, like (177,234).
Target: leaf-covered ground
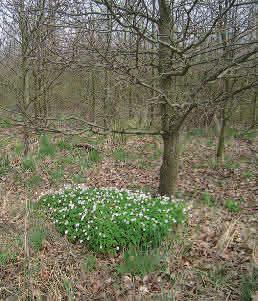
(212,258)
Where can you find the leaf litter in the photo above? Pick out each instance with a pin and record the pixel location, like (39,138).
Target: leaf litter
(205,261)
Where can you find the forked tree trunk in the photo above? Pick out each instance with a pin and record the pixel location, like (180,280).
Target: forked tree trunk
(170,161)
(221,143)
(170,164)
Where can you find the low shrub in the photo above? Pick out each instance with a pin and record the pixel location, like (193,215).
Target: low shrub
(109,220)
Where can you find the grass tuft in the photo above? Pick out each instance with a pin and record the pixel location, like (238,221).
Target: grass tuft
(232,205)
(28,164)
(249,286)
(208,199)
(139,262)
(36,238)
(64,145)
(34,181)
(90,263)
(46,148)
(94,156)
(120,155)
(5,165)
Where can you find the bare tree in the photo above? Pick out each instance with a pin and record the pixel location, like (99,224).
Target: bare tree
(230,29)
(188,60)
(41,57)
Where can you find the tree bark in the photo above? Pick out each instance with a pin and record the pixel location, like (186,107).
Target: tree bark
(221,142)
(93,100)
(130,100)
(253,124)
(25,96)
(25,93)
(169,167)
(170,164)
(106,94)
(153,71)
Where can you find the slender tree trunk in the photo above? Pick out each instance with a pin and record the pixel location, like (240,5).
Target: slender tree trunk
(221,143)
(153,94)
(224,35)
(24,97)
(26,141)
(106,97)
(253,124)
(45,106)
(93,102)
(170,163)
(151,111)
(153,71)
(130,102)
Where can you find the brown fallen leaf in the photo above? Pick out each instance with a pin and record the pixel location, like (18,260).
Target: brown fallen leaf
(44,274)
(155,287)
(108,281)
(255,296)
(96,285)
(127,281)
(143,289)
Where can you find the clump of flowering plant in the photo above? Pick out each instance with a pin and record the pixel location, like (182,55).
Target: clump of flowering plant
(109,220)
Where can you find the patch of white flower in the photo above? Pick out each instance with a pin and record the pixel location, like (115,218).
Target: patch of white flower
(111,219)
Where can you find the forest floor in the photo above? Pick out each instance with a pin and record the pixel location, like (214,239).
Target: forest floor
(213,257)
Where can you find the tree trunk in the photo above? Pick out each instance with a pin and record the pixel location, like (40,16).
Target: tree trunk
(221,142)
(106,94)
(93,100)
(169,167)
(26,141)
(26,96)
(170,163)
(151,113)
(130,104)
(253,124)
(153,71)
